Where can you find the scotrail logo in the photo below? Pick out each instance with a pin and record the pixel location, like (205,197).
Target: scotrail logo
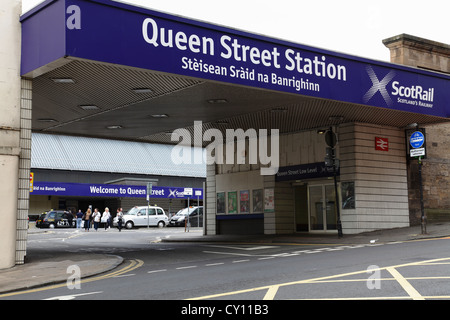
(413,95)
(379,86)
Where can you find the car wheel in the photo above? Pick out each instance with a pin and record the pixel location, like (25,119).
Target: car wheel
(51,226)
(161,224)
(129,225)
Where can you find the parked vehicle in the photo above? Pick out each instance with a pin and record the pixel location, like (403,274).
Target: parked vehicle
(195,217)
(56,219)
(142,217)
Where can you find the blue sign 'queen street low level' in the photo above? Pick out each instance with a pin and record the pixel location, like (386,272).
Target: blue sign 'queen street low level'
(117,33)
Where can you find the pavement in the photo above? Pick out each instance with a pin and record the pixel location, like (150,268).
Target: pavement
(41,271)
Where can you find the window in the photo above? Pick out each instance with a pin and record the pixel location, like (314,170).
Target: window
(160,212)
(151,212)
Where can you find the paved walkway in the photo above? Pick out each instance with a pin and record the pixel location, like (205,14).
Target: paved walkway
(38,271)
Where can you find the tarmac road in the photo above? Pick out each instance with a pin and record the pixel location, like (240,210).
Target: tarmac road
(170,264)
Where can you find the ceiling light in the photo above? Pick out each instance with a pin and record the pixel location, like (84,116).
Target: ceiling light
(63,80)
(159,116)
(278,110)
(89,107)
(113,127)
(217,101)
(142,90)
(222,122)
(47,120)
(336,118)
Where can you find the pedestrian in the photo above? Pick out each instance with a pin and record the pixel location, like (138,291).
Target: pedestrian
(119,218)
(79,218)
(96,217)
(106,218)
(87,219)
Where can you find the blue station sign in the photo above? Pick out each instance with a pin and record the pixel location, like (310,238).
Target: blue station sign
(110,190)
(118,33)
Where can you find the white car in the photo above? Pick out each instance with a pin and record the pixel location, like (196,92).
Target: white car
(142,217)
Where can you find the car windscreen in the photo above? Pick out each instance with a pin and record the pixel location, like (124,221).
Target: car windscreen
(133,211)
(185,211)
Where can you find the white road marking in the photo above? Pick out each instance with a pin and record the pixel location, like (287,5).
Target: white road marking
(72,296)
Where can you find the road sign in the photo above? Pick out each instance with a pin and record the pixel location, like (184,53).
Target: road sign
(330,138)
(149,190)
(188,191)
(419,152)
(416,143)
(417,139)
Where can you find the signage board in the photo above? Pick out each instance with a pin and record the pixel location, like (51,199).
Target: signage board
(188,192)
(31,181)
(121,34)
(416,143)
(416,139)
(304,171)
(420,152)
(109,190)
(381,144)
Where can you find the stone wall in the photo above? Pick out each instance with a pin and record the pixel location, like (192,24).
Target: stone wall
(426,54)
(435,176)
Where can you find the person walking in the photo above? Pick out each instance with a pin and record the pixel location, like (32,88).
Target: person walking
(96,217)
(79,218)
(119,218)
(87,219)
(106,218)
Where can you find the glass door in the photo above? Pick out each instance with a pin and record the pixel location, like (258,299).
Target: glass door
(316,208)
(322,209)
(330,214)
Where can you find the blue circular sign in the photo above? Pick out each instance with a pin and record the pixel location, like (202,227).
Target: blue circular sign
(417,139)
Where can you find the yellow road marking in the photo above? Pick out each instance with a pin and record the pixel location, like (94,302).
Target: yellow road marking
(270,294)
(272,289)
(133,264)
(413,293)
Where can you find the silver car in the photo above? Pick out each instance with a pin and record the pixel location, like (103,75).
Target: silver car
(142,217)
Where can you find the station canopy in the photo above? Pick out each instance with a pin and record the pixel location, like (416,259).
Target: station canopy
(111,70)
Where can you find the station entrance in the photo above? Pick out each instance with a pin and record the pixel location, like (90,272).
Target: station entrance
(315,208)
(151,77)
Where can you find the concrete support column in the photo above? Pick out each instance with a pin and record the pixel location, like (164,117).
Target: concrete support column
(24,170)
(211,200)
(10,124)
(270,217)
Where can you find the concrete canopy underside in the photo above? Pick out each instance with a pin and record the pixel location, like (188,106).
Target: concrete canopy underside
(57,107)
(108,49)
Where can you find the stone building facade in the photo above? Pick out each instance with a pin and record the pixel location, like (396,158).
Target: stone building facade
(426,54)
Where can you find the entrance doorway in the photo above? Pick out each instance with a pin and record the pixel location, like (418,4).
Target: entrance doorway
(322,209)
(315,208)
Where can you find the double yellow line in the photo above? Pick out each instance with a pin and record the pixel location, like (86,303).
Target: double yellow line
(130,265)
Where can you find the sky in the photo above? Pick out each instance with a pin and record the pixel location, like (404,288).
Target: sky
(355,27)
